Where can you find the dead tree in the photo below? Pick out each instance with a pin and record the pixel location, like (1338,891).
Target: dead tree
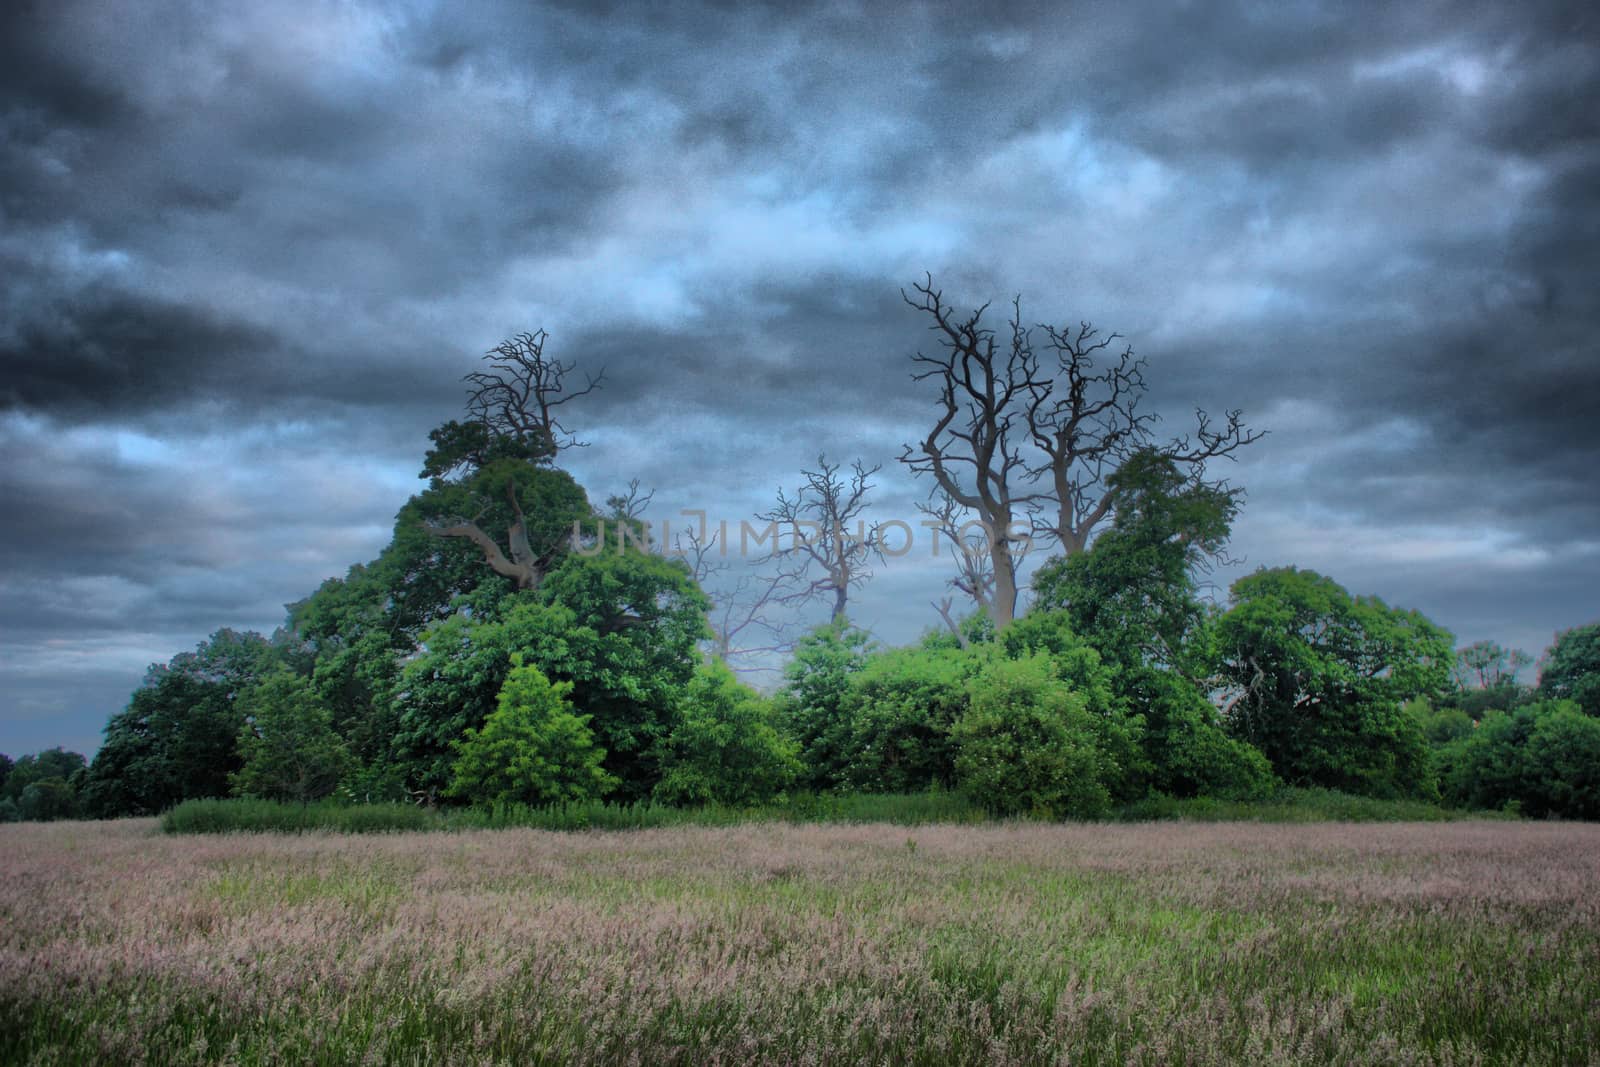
(632,504)
(514,408)
(1085,421)
(745,618)
(518,397)
(824,558)
(976,451)
(1020,438)
(970,549)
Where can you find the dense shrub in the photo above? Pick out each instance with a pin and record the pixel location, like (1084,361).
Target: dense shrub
(725,748)
(811,708)
(249,815)
(1028,743)
(1570,670)
(900,708)
(1542,759)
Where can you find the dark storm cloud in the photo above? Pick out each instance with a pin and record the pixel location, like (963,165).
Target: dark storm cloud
(107,352)
(247,253)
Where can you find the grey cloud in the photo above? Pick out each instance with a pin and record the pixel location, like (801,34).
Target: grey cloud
(278,236)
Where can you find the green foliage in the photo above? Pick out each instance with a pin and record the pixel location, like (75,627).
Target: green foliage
(622,627)
(811,708)
(1028,743)
(532,750)
(51,765)
(1320,677)
(523,508)
(1542,759)
(895,718)
(1440,726)
(178,736)
(242,814)
(1190,753)
(1290,806)
(251,815)
(48,798)
(231,658)
(42,787)
(287,747)
(176,740)
(1570,669)
(357,632)
(1476,703)
(463,448)
(725,747)
(1132,596)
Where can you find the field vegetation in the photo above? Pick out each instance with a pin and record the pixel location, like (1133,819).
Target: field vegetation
(1463,942)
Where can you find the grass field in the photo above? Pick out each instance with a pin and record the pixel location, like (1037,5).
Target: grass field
(1174,942)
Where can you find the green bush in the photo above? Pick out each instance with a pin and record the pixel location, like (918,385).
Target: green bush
(725,748)
(1542,759)
(900,708)
(242,814)
(245,814)
(1290,805)
(533,749)
(1028,745)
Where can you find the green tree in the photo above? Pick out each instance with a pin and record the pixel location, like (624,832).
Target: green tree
(1439,725)
(233,659)
(725,748)
(533,749)
(1318,677)
(47,799)
(1562,766)
(1543,758)
(1570,669)
(53,764)
(811,706)
(1189,752)
(1028,744)
(287,745)
(176,740)
(1133,595)
(623,627)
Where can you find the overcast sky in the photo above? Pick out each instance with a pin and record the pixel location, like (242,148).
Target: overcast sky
(247,252)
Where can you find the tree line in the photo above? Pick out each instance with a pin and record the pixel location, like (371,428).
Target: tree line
(502,648)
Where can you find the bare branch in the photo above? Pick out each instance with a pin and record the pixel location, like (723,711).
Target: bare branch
(824,557)
(518,396)
(943,608)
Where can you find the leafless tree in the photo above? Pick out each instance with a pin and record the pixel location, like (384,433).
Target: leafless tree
(970,548)
(823,557)
(1085,421)
(520,394)
(976,451)
(1029,443)
(748,620)
(515,401)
